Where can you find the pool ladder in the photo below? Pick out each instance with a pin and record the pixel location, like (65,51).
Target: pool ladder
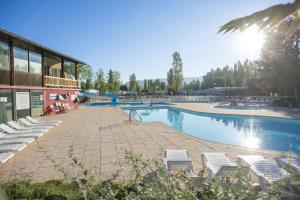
(134,111)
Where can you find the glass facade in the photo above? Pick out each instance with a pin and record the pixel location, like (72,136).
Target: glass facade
(36,102)
(53,65)
(20,59)
(4,55)
(69,70)
(35,63)
(6,108)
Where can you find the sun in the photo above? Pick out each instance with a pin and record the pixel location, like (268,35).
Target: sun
(251,40)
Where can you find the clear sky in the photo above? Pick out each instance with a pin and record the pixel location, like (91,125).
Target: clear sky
(135,35)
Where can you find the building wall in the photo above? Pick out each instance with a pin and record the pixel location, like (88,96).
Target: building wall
(69,96)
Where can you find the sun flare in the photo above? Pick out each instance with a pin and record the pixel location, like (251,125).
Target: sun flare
(251,40)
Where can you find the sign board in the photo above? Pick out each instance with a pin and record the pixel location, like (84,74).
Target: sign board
(3,99)
(53,96)
(22,100)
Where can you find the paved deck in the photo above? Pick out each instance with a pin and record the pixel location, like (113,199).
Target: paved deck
(99,136)
(271,111)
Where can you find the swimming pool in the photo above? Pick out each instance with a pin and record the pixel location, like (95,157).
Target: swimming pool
(254,132)
(125,104)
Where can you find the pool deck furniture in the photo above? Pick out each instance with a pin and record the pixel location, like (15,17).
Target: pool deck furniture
(17,126)
(9,130)
(12,147)
(178,160)
(16,140)
(267,172)
(292,163)
(217,164)
(4,157)
(19,135)
(27,123)
(35,121)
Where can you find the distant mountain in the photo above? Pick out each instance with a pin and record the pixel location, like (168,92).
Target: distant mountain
(186,79)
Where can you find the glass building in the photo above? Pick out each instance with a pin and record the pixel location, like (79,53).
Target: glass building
(32,77)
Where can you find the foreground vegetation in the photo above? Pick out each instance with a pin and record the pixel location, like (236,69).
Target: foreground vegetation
(144,179)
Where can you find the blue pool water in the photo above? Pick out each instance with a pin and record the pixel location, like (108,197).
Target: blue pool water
(109,104)
(254,132)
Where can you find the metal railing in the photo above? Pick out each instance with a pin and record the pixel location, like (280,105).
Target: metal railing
(134,111)
(50,81)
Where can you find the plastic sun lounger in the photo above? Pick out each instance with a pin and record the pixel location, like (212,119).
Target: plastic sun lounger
(12,147)
(292,163)
(9,130)
(217,164)
(17,140)
(178,160)
(268,173)
(27,123)
(18,135)
(6,156)
(35,121)
(17,126)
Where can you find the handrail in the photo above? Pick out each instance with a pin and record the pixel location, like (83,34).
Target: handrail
(51,81)
(131,111)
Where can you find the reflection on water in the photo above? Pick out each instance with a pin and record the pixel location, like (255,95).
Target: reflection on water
(175,118)
(253,132)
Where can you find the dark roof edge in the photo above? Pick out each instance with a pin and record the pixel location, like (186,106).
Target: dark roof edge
(13,35)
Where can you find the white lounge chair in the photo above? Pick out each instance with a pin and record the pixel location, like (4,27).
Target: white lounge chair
(17,126)
(9,130)
(16,140)
(6,156)
(268,173)
(178,160)
(292,163)
(12,147)
(27,123)
(217,164)
(19,135)
(35,121)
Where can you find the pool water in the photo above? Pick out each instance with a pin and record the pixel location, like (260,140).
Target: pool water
(109,104)
(254,132)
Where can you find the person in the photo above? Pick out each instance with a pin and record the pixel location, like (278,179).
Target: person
(59,106)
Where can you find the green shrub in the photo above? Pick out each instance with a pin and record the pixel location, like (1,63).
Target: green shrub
(148,179)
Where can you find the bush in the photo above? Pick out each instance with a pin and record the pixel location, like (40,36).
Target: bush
(148,179)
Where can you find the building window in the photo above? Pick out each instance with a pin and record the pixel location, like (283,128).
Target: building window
(36,102)
(35,63)
(4,55)
(53,65)
(6,106)
(20,59)
(69,70)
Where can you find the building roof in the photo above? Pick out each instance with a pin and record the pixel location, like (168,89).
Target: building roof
(39,46)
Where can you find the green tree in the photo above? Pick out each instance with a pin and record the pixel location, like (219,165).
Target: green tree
(145,84)
(269,19)
(100,82)
(110,81)
(170,81)
(132,82)
(177,72)
(85,75)
(124,87)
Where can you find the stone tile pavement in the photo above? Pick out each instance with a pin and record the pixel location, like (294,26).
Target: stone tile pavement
(99,137)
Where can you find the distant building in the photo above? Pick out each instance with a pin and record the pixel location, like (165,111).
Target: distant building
(33,76)
(221,91)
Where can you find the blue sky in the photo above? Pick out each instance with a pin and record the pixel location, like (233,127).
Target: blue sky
(135,35)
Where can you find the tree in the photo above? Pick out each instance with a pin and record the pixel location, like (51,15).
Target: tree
(85,76)
(170,81)
(124,87)
(145,85)
(269,19)
(100,82)
(176,73)
(113,81)
(132,82)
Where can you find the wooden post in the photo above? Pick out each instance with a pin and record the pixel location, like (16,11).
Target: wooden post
(11,62)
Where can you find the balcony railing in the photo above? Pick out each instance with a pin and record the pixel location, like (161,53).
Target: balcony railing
(51,81)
